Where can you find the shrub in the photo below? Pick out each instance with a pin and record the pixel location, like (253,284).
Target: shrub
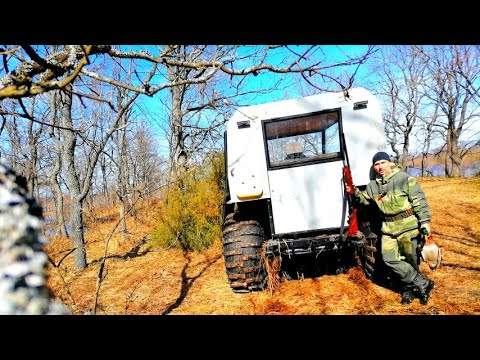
(191,218)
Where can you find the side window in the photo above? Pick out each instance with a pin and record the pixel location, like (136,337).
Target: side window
(309,138)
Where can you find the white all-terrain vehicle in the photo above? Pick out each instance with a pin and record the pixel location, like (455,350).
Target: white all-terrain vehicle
(286,165)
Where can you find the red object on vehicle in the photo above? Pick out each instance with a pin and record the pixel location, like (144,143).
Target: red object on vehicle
(348,180)
(352,223)
(352,219)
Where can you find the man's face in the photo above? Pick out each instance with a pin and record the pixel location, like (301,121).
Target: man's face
(382,167)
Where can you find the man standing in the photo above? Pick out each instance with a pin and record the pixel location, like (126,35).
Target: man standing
(404,210)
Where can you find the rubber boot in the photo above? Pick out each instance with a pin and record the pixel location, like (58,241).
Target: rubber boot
(424,286)
(407,295)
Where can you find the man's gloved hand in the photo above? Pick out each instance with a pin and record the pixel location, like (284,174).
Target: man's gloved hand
(350,189)
(425,226)
(421,239)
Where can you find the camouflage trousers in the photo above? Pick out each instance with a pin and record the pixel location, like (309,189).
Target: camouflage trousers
(400,254)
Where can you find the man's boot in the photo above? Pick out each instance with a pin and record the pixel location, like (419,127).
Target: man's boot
(407,295)
(424,286)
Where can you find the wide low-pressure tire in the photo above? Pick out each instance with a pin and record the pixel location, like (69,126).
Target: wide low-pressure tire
(370,260)
(242,249)
(373,265)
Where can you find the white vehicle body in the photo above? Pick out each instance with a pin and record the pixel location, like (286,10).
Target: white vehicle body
(307,191)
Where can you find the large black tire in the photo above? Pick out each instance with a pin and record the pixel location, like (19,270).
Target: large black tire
(370,260)
(242,249)
(373,265)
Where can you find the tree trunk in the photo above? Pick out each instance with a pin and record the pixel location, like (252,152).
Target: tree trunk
(32,161)
(424,163)
(122,177)
(58,198)
(455,158)
(53,177)
(76,219)
(105,190)
(447,171)
(76,210)
(428,139)
(178,154)
(31,171)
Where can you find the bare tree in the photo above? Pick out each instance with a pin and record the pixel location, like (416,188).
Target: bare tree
(73,181)
(13,154)
(34,132)
(426,137)
(455,70)
(122,164)
(79,180)
(402,74)
(54,176)
(148,169)
(23,149)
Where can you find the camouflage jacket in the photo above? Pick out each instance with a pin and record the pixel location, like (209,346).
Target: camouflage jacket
(394,193)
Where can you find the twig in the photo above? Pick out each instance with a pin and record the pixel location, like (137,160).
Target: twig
(127,299)
(99,281)
(57,271)
(63,258)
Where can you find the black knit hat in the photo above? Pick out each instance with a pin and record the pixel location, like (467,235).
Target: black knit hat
(381,155)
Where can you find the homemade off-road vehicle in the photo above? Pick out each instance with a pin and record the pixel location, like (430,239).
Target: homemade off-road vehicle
(286,165)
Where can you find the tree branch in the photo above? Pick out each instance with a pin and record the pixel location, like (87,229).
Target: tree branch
(20,82)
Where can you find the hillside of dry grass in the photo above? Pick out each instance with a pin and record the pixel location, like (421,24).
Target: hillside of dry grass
(137,279)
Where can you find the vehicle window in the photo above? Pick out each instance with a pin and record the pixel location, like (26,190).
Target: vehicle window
(303,139)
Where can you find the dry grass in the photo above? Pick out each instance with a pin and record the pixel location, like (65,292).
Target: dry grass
(138,280)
